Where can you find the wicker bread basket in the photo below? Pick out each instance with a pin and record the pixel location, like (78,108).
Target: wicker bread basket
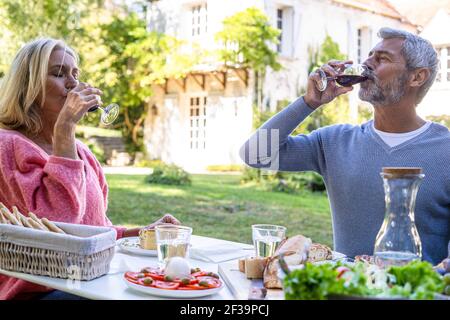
(84,253)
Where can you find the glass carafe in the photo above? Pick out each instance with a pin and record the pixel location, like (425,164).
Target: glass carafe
(398,240)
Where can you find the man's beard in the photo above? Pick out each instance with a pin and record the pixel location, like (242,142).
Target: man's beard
(383,94)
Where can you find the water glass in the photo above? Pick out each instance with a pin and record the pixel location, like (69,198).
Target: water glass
(172,241)
(267,238)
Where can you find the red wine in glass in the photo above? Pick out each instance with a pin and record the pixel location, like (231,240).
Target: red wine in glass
(350,80)
(351,75)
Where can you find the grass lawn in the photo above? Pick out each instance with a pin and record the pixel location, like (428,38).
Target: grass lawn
(218,206)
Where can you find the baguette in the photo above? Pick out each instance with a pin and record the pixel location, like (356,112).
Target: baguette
(32,222)
(51,226)
(21,218)
(15,212)
(10,216)
(35,225)
(38,221)
(3,220)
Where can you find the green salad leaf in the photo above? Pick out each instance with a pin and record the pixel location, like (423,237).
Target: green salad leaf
(416,280)
(318,282)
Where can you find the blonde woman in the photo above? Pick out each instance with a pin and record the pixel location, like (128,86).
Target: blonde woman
(43,168)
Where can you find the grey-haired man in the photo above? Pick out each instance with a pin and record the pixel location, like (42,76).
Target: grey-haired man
(401,69)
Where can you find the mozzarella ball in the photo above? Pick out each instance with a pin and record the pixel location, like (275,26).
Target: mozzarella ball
(177,267)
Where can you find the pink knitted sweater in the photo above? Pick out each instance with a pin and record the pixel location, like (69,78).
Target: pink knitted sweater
(60,189)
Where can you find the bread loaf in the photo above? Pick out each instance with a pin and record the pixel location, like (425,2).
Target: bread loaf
(319,252)
(294,250)
(254,267)
(241,263)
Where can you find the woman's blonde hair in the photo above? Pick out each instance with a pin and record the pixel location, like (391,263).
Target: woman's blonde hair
(24,84)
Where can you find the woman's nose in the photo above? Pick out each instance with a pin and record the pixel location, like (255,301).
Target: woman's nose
(71,83)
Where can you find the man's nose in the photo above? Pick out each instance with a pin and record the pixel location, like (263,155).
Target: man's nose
(368,64)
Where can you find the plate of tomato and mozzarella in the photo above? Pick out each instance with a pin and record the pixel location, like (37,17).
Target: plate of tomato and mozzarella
(153,281)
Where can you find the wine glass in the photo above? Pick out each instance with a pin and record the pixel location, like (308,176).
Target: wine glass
(109,113)
(351,75)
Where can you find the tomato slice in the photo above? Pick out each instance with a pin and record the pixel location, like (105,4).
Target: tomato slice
(155,275)
(131,275)
(151,270)
(192,280)
(211,281)
(199,274)
(168,285)
(194,286)
(145,282)
(132,280)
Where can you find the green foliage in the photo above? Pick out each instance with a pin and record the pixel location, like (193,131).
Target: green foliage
(318,282)
(55,18)
(337,111)
(94,147)
(287,182)
(146,163)
(224,168)
(218,206)
(329,50)
(117,53)
(416,280)
(94,131)
(169,174)
(442,119)
(248,36)
(23,20)
(365,113)
(132,60)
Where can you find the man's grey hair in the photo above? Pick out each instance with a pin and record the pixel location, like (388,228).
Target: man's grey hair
(418,53)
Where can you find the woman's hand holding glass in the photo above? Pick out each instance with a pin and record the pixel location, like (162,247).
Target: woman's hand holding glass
(79,100)
(85,98)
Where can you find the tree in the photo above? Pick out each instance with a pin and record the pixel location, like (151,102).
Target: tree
(133,59)
(117,53)
(247,39)
(23,20)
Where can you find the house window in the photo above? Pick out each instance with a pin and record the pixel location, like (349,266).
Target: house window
(197,123)
(363,43)
(359,46)
(199,20)
(280,27)
(443,74)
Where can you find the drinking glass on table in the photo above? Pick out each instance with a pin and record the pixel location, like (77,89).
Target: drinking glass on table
(172,241)
(267,238)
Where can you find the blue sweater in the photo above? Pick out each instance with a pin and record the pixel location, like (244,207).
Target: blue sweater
(350,159)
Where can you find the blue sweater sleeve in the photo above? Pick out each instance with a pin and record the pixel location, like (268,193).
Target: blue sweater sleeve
(271,146)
